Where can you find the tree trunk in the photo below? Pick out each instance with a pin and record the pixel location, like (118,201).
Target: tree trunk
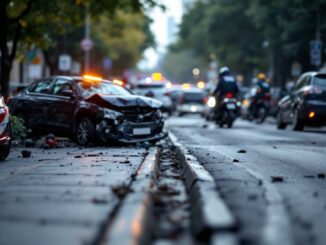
(5,76)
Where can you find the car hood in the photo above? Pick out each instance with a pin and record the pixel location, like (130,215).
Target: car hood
(121,103)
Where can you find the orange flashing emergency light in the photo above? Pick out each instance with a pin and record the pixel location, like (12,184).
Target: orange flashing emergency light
(92,78)
(118,82)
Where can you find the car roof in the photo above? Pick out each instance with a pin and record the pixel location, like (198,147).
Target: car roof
(192,90)
(76,78)
(314,73)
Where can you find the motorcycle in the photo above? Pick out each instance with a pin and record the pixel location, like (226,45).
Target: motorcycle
(261,109)
(229,110)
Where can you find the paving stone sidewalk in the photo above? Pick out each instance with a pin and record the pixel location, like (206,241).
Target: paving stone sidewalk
(62,196)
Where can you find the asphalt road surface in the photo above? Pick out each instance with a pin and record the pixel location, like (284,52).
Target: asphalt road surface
(272,180)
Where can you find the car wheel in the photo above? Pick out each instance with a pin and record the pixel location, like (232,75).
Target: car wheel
(85,131)
(279,122)
(297,124)
(4,151)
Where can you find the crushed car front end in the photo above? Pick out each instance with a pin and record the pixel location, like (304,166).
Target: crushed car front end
(131,126)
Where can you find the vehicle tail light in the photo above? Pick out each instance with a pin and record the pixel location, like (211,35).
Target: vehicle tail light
(229,95)
(181,100)
(205,100)
(267,96)
(313,90)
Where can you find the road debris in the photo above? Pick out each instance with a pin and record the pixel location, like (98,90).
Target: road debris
(277,178)
(29,143)
(121,190)
(26,154)
(125,161)
(171,205)
(99,201)
(309,176)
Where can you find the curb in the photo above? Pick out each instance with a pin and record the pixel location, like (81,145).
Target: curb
(133,222)
(210,217)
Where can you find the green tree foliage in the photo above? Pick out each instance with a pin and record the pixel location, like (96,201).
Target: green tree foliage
(178,65)
(39,22)
(236,30)
(123,37)
(289,26)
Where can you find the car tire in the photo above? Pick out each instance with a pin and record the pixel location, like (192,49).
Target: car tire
(279,122)
(85,131)
(4,151)
(297,124)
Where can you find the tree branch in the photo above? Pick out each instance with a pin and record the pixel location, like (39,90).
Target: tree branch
(23,13)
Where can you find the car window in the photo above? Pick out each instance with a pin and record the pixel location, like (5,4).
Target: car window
(303,81)
(193,97)
(61,85)
(42,87)
(320,81)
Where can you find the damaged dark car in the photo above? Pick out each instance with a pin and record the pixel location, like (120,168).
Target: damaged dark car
(89,109)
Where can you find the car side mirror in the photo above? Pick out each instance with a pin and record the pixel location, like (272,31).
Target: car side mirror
(68,93)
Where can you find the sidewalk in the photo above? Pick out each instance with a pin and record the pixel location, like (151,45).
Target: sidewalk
(62,196)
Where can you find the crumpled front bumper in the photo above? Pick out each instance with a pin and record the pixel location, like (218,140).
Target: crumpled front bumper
(109,131)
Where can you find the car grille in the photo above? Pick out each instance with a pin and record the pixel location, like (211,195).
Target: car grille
(140,118)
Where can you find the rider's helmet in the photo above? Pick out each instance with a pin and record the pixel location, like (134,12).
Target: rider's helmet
(261,76)
(224,71)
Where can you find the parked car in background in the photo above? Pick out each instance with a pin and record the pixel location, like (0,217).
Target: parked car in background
(192,101)
(15,88)
(156,90)
(306,103)
(5,130)
(89,109)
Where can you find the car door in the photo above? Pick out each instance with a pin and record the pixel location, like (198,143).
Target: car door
(61,106)
(33,104)
(295,97)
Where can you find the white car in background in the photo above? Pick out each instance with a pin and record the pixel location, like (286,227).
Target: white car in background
(156,90)
(192,101)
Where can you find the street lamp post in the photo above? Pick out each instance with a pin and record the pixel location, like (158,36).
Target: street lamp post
(87,37)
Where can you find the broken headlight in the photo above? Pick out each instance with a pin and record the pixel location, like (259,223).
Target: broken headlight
(159,114)
(110,114)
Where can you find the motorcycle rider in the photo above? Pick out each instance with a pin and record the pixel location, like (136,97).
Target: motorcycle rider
(226,84)
(262,89)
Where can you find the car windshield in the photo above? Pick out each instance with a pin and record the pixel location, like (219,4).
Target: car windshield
(320,81)
(156,89)
(88,89)
(193,97)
